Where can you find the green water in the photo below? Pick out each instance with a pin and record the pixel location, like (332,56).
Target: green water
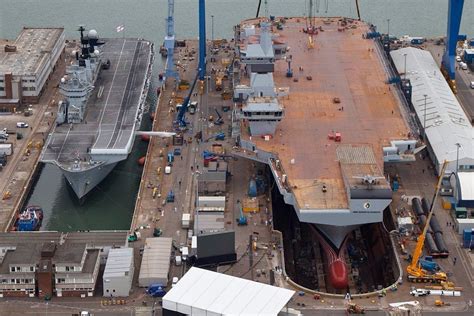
(110,205)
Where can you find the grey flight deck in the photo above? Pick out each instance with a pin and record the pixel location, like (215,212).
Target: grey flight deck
(110,120)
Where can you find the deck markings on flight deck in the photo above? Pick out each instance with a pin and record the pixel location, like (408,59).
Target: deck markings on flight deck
(120,112)
(108,94)
(121,130)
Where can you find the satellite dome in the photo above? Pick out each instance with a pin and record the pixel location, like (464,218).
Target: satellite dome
(63,80)
(96,52)
(73,53)
(93,34)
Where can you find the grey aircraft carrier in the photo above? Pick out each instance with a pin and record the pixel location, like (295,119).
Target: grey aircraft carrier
(105,93)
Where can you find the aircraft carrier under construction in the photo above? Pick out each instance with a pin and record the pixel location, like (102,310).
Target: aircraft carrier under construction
(105,91)
(315,106)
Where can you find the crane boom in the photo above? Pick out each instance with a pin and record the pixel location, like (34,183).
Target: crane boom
(414,269)
(358,10)
(180,118)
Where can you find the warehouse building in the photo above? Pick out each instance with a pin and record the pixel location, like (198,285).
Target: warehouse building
(155,266)
(203,292)
(118,273)
(26,65)
(449,133)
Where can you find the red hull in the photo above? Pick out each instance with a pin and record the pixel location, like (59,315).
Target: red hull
(337,269)
(338,275)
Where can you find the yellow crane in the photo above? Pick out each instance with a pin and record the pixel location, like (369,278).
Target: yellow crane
(414,270)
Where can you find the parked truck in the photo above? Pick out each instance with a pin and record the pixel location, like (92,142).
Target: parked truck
(6,149)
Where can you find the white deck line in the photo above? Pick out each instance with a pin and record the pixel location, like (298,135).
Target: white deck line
(124,115)
(108,94)
(61,150)
(118,112)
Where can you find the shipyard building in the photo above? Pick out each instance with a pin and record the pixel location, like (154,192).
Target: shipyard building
(46,263)
(26,65)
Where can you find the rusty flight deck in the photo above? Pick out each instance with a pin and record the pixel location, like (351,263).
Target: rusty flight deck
(341,65)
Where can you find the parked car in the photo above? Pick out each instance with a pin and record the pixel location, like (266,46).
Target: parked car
(458,58)
(21,125)
(472,84)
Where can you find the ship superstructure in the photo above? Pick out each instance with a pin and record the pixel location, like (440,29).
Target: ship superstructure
(104,97)
(326,150)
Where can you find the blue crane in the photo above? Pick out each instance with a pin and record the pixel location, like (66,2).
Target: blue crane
(169,43)
(180,120)
(202,63)
(202,39)
(454,22)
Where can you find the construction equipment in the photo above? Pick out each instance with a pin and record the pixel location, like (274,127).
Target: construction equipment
(441,303)
(358,10)
(180,120)
(219,77)
(415,272)
(242,220)
(218,136)
(170,197)
(219,120)
(134,236)
(353,308)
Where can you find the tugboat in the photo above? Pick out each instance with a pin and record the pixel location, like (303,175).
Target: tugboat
(30,219)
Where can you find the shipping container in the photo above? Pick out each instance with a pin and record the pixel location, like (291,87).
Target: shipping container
(461,212)
(467,239)
(469,56)
(185,220)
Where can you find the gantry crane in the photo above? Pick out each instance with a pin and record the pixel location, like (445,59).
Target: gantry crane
(454,22)
(414,270)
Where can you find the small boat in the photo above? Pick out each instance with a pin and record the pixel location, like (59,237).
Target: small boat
(30,219)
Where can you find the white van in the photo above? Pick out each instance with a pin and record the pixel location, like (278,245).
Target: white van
(472,84)
(167,169)
(463,66)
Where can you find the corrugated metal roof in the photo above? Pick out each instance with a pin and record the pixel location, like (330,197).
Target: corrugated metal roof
(466,184)
(203,291)
(119,262)
(156,258)
(446,122)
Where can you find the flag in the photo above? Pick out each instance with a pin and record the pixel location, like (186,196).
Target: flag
(120,28)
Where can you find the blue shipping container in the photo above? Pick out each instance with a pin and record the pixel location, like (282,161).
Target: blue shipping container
(467,237)
(469,55)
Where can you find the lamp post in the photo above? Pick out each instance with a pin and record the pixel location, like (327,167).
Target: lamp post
(458,145)
(405,70)
(388,29)
(212,29)
(424,119)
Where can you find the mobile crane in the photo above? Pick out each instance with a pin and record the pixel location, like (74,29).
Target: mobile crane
(415,272)
(180,120)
